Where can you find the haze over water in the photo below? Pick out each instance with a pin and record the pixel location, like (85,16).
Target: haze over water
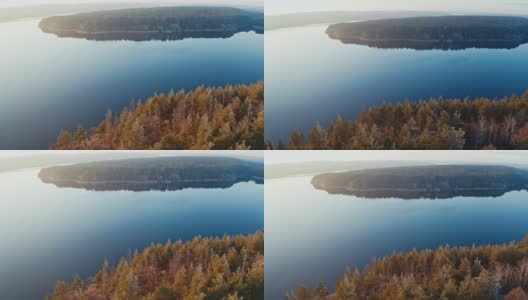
(49,234)
(326,233)
(311,78)
(50,83)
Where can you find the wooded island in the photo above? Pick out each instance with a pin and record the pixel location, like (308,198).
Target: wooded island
(434,181)
(159,173)
(445,32)
(157,23)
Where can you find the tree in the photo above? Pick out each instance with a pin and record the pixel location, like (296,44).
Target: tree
(516,294)
(62,291)
(80,136)
(346,287)
(482,287)
(65,140)
(163,293)
(520,138)
(296,141)
(338,134)
(321,291)
(108,130)
(318,138)
(77,284)
(171,142)
(304,293)
(451,138)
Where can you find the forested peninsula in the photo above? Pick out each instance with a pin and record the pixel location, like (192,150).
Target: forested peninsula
(470,273)
(227,268)
(205,118)
(158,173)
(433,182)
(436,124)
(157,23)
(445,32)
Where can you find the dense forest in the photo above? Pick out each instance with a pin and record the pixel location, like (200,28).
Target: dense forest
(434,181)
(228,268)
(169,22)
(159,173)
(437,124)
(445,32)
(205,118)
(447,273)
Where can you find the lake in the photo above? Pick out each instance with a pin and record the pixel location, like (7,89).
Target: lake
(326,233)
(49,83)
(310,77)
(49,233)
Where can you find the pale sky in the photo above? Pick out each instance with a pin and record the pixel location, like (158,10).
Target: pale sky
(255,154)
(482,6)
(492,157)
(9,3)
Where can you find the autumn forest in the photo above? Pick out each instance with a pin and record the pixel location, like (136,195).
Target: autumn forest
(227,268)
(205,118)
(436,124)
(469,273)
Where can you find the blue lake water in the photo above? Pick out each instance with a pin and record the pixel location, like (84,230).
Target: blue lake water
(312,78)
(49,233)
(312,235)
(49,83)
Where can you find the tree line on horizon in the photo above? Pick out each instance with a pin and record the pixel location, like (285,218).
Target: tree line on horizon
(436,124)
(231,117)
(489,272)
(227,268)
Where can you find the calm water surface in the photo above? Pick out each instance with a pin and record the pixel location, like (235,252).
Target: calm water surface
(49,233)
(310,77)
(49,83)
(313,236)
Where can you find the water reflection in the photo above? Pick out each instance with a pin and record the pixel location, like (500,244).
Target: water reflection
(413,194)
(138,186)
(425,45)
(148,36)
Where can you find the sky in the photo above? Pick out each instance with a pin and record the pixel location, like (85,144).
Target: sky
(10,3)
(482,6)
(492,157)
(241,154)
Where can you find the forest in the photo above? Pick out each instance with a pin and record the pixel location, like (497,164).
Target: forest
(432,182)
(438,32)
(227,268)
(158,173)
(205,118)
(436,124)
(489,272)
(168,22)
